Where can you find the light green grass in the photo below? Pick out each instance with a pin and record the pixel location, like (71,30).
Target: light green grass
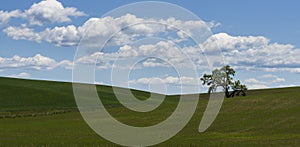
(38,113)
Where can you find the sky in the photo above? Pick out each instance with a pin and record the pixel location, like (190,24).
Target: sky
(259,39)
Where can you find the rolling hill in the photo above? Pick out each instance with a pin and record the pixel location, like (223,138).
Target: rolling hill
(37,113)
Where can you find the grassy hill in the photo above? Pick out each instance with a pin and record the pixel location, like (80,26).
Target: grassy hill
(36,113)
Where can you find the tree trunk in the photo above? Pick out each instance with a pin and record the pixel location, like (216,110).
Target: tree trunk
(227,94)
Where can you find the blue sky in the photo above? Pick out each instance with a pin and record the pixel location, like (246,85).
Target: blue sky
(260,39)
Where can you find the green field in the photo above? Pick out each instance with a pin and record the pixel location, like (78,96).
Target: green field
(38,113)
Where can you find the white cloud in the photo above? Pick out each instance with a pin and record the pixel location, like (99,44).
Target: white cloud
(127,28)
(57,35)
(65,64)
(21,75)
(289,85)
(263,81)
(282,69)
(152,62)
(241,52)
(268,76)
(166,80)
(62,36)
(5,16)
(50,11)
(23,33)
(232,43)
(177,84)
(254,52)
(257,86)
(37,62)
(271,77)
(160,54)
(253,81)
(278,80)
(46,11)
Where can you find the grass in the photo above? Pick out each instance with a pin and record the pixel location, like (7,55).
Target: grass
(42,113)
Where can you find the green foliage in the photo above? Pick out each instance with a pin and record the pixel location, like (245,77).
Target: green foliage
(224,78)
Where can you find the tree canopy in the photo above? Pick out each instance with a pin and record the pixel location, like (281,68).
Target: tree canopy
(223,78)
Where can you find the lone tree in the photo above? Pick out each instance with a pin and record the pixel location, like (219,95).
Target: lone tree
(224,78)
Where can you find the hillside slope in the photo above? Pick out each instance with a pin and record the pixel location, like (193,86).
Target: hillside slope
(44,113)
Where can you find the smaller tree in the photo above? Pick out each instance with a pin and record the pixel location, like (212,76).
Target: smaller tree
(224,78)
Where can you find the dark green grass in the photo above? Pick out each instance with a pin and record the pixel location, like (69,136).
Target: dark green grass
(37,113)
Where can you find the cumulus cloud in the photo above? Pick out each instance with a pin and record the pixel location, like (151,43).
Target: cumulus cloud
(254,52)
(166,80)
(46,11)
(241,52)
(272,78)
(289,85)
(159,54)
(257,86)
(57,35)
(227,42)
(21,75)
(254,81)
(268,76)
(125,29)
(5,16)
(37,62)
(169,84)
(50,11)
(62,36)
(278,80)
(22,33)
(152,62)
(264,81)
